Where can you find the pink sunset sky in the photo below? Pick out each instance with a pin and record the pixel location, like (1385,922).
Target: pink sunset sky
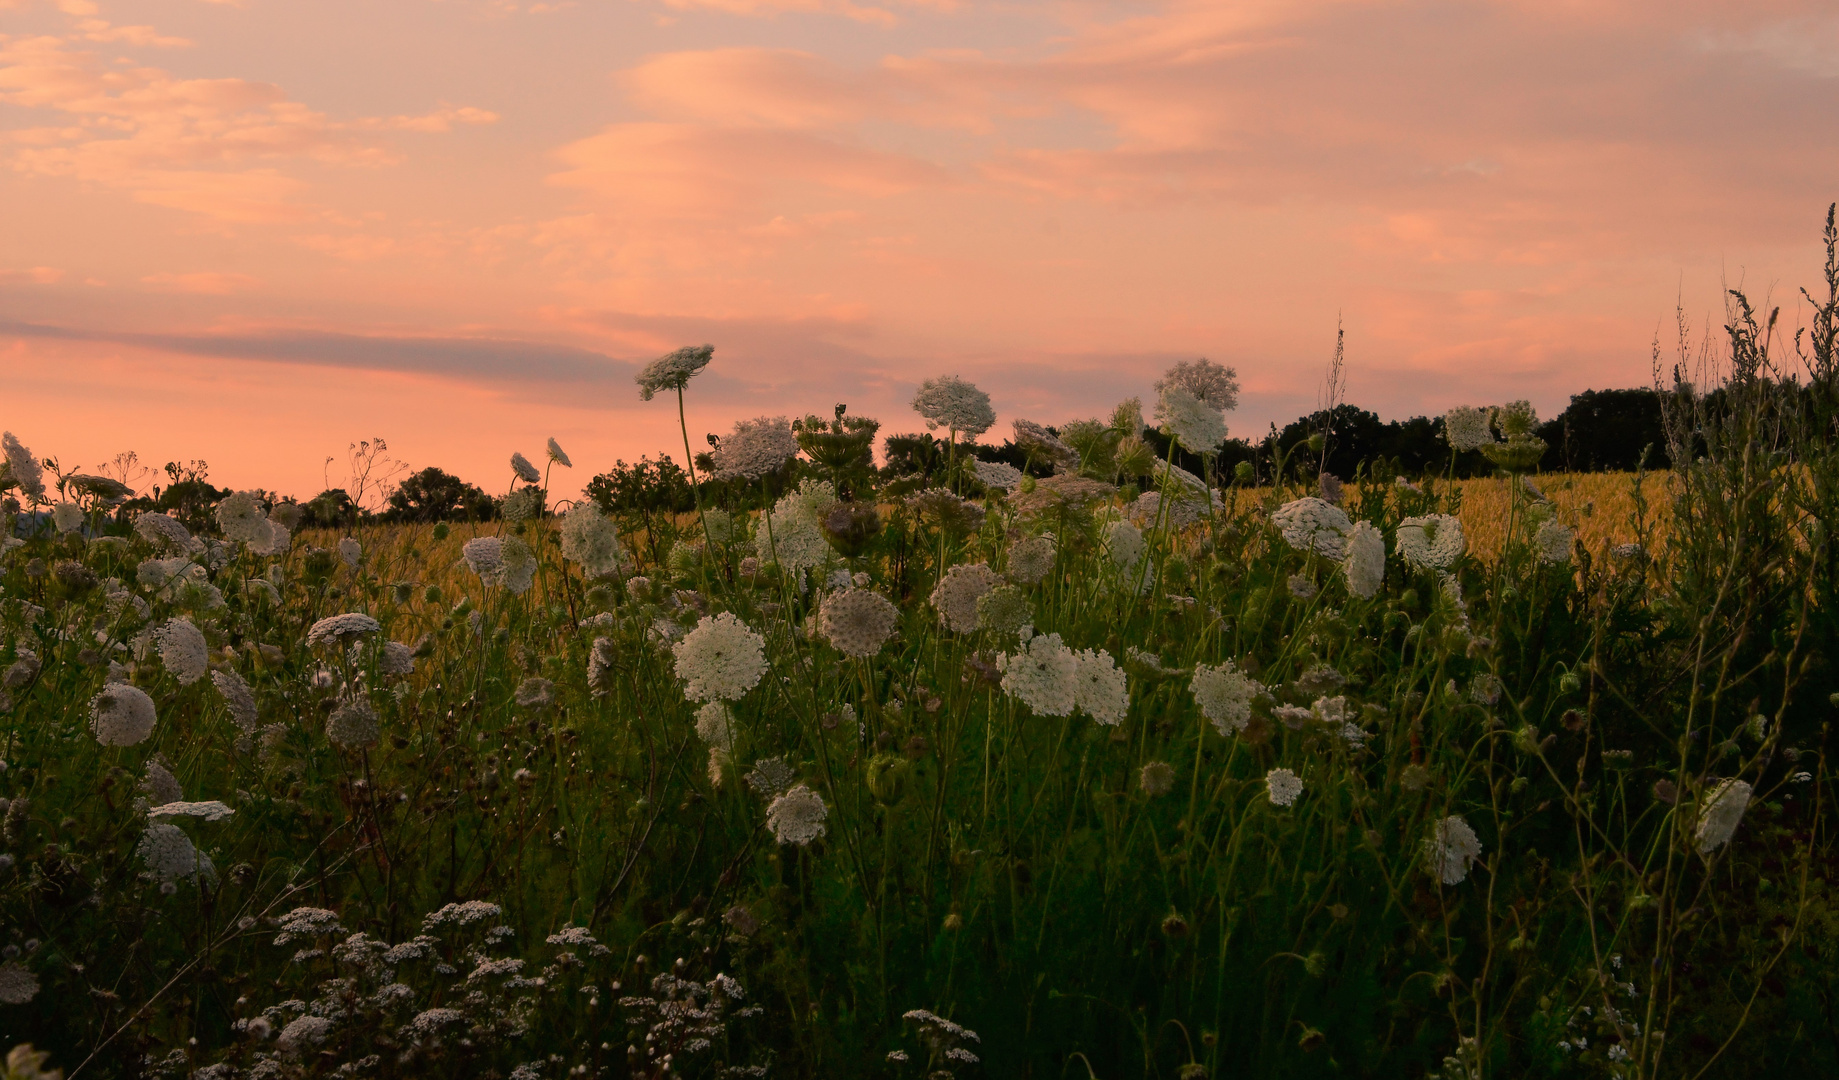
(254,232)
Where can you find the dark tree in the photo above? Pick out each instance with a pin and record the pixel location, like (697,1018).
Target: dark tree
(1606,430)
(434,494)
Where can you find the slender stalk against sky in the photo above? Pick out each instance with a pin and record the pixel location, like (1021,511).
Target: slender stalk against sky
(256,231)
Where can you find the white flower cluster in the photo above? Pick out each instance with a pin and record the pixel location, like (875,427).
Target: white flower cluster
(183,651)
(556,455)
(525,470)
(395,658)
(1452,848)
(755,448)
(720,660)
(1552,541)
(997,474)
(1100,689)
(68,517)
(353,725)
(238,697)
(1468,428)
(1043,675)
(1722,811)
(673,370)
(951,402)
(794,539)
(1197,426)
(1431,542)
(715,725)
(341,629)
(1365,564)
(163,530)
(484,556)
(1043,445)
(519,571)
(171,855)
(1224,694)
(23,468)
(858,622)
(1282,787)
(797,817)
(1310,522)
(1124,543)
(1215,384)
(591,540)
(955,596)
(121,715)
(211,810)
(1031,560)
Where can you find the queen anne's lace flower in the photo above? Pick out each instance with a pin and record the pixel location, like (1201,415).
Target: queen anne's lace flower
(1365,565)
(1467,428)
(1044,675)
(1215,384)
(794,538)
(1432,542)
(591,539)
(353,725)
(350,551)
(67,517)
(755,448)
(341,629)
(1197,426)
(1282,786)
(302,1034)
(1451,849)
(183,651)
(950,402)
(955,596)
(241,517)
(162,530)
(161,785)
(1156,778)
(1124,543)
(1720,814)
(1043,445)
(1310,522)
(1100,688)
(25,470)
(17,987)
(997,474)
(720,660)
(1224,694)
(556,455)
(484,556)
(170,854)
(1553,542)
(797,817)
(673,370)
(121,715)
(858,621)
(238,697)
(395,658)
(211,810)
(519,566)
(1031,559)
(715,725)
(525,471)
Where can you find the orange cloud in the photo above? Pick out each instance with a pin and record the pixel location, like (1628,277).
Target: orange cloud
(204,282)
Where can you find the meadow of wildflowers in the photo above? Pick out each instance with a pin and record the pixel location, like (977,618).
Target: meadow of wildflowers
(1093,767)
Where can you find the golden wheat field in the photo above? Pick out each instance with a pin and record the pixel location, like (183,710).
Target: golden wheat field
(1601,508)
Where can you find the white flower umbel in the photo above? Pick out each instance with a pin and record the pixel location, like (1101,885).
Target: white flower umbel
(484,556)
(858,621)
(955,596)
(1282,786)
(1553,542)
(525,470)
(211,810)
(1365,564)
(1124,543)
(67,517)
(1468,428)
(1310,522)
(1451,849)
(795,541)
(951,402)
(183,651)
(1215,384)
(673,370)
(755,448)
(170,854)
(519,566)
(121,715)
(720,660)
(715,725)
(1101,690)
(997,474)
(1197,426)
(1031,559)
(339,630)
(1224,694)
(797,817)
(24,469)
(1044,675)
(240,517)
(1720,814)
(1431,542)
(556,455)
